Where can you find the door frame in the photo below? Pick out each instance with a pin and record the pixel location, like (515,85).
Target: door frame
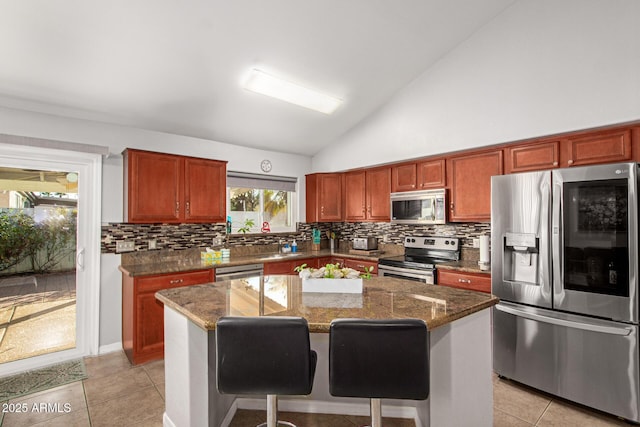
(89,167)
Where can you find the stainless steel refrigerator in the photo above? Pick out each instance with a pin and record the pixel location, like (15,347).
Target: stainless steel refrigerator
(564,251)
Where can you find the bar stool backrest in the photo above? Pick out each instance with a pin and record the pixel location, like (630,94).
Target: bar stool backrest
(379,358)
(264,355)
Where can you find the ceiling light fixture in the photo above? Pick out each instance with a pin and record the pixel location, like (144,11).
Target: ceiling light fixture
(265,84)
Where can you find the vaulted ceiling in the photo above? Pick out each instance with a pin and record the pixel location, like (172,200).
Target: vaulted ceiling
(177,66)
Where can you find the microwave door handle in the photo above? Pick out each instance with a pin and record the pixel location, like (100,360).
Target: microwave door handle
(433,209)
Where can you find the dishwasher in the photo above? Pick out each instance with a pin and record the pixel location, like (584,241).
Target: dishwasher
(239,272)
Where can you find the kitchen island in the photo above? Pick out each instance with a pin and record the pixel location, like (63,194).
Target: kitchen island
(460,347)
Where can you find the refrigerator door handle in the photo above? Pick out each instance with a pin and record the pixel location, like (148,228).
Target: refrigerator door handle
(556,241)
(586,326)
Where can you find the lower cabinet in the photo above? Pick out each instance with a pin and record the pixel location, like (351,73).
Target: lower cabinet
(143,314)
(288,267)
(471,281)
(360,265)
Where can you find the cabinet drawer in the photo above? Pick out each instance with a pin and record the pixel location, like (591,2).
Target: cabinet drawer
(165,281)
(475,282)
(358,264)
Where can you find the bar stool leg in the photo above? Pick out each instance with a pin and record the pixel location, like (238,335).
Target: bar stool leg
(376,413)
(272,410)
(272,413)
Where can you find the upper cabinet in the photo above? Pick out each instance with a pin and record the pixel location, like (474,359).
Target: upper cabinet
(404,177)
(324,197)
(421,175)
(470,185)
(165,188)
(532,156)
(367,195)
(431,174)
(597,147)
(576,149)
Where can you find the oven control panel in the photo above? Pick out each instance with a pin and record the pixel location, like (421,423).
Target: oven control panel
(432,242)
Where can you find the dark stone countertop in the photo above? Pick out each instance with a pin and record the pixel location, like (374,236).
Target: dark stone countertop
(382,298)
(463,266)
(190,262)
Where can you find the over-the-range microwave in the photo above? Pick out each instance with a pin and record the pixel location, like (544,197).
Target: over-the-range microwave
(419,207)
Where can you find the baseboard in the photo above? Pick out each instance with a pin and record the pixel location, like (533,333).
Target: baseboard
(110,348)
(230,414)
(166,421)
(323,407)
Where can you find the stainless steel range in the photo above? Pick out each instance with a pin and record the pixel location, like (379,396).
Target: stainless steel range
(421,254)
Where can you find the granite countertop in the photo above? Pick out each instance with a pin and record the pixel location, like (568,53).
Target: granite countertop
(382,298)
(464,266)
(190,263)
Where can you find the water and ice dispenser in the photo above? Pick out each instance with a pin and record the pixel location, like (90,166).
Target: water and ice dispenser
(520,258)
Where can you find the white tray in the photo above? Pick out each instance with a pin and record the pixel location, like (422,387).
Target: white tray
(342,286)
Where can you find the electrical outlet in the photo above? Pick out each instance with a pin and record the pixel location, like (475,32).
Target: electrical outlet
(476,243)
(125,246)
(152,244)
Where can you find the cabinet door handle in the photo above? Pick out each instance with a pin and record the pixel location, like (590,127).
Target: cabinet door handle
(173,282)
(451,207)
(177,208)
(464,281)
(570,162)
(555,163)
(188,208)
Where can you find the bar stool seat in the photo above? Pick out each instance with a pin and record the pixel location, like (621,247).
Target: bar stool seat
(379,359)
(264,355)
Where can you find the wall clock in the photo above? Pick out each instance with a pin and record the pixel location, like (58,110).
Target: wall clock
(266,166)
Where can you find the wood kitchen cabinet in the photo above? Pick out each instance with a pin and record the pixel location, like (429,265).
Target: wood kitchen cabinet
(288,267)
(532,156)
(469,178)
(608,146)
(423,175)
(431,174)
(360,265)
(324,197)
(471,281)
(367,195)
(404,177)
(165,188)
(143,315)
(575,149)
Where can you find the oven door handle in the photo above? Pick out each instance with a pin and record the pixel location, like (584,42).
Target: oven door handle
(403,271)
(584,325)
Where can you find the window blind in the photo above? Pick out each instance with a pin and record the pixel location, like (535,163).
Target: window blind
(252,180)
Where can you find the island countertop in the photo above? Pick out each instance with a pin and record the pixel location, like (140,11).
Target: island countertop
(279,295)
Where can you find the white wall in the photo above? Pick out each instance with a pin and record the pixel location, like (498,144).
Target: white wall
(539,68)
(117,138)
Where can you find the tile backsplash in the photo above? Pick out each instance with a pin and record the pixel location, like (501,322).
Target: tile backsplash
(188,236)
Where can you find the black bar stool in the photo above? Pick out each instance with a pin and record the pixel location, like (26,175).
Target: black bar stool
(379,359)
(265,355)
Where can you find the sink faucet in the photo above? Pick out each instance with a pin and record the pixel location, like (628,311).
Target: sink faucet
(279,246)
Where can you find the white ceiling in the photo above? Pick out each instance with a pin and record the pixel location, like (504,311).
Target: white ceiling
(176,66)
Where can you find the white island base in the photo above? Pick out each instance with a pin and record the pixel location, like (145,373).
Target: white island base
(461,388)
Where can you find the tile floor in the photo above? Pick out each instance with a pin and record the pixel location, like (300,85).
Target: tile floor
(37,319)
(118,394)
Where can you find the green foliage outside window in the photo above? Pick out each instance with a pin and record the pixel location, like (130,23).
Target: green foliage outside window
(44,244)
